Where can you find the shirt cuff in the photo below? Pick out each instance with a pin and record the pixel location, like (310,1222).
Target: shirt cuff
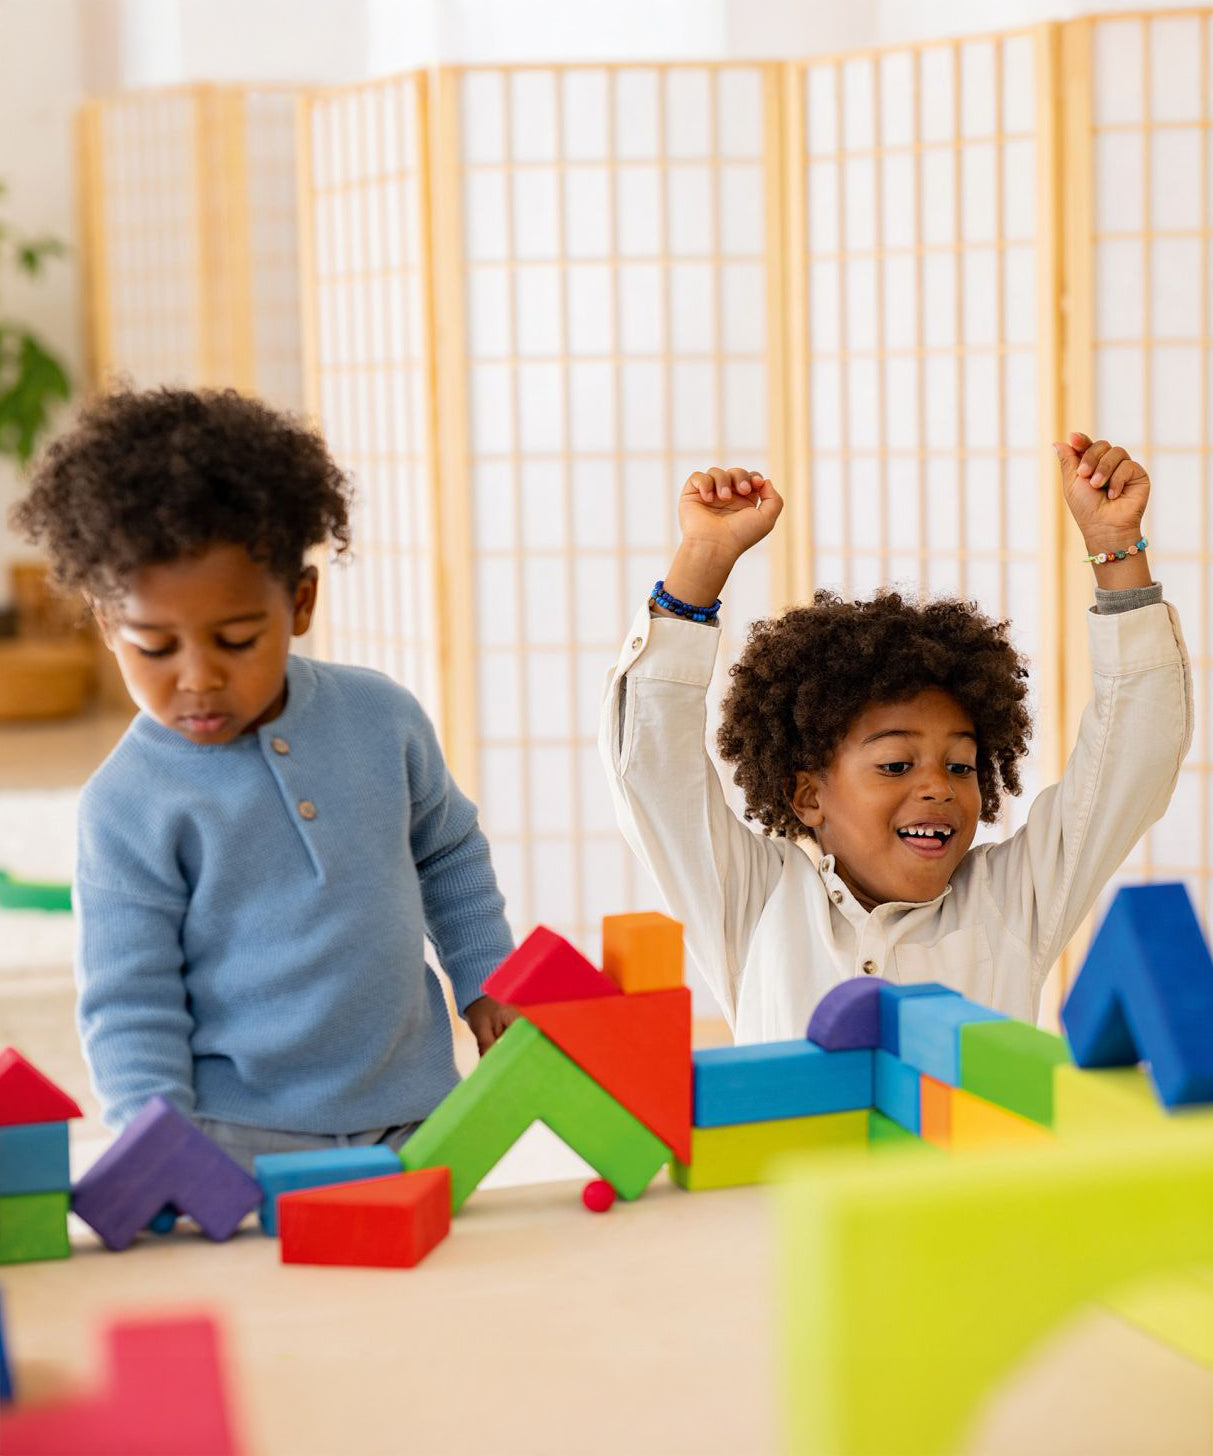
(1109,602)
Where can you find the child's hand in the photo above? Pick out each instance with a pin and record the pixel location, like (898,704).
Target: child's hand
(727,511)
(1105,491)
(488,1020)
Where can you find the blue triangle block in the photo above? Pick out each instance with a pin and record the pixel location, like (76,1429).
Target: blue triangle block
(1145,993)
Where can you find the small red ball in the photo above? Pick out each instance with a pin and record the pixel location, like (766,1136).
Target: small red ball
(598,1195)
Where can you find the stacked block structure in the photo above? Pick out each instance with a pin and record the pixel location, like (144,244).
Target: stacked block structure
(35,1182)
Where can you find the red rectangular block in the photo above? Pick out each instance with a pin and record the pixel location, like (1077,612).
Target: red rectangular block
(378,1222)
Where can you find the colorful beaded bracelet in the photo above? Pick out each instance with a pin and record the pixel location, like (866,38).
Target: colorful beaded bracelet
(1105,556)
(659,597)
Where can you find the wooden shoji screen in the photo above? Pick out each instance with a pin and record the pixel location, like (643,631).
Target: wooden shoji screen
(369,359)
(1138,260)
(191,239)
(615,249)
(923,350)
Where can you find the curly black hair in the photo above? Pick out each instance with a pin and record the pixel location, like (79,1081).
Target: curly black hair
(147,477)
(803,678)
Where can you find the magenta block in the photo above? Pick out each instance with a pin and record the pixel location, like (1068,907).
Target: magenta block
(848,1017)
(161,1158)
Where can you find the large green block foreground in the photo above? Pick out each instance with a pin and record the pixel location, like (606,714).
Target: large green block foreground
(33,1226)
(522,1079)
(991,1251)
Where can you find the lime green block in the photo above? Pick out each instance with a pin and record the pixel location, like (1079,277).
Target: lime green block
(522,1079)
(991,1252)
(32,894)
(884,1132)
(728,1157)
(1174,1308)
(1108,1101)
(1011,1063)
(33,1226)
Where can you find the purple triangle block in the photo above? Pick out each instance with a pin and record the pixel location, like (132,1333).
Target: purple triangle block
(160,1157)
(848,1016)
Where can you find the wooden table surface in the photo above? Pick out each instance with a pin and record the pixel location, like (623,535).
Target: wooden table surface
(538,1327)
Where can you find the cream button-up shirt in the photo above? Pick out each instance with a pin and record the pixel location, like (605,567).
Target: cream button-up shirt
(773,928)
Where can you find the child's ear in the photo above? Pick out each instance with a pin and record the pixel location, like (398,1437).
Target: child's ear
(804,799)
(305,600)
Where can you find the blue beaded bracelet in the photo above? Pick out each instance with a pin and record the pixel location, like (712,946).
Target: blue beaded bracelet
(661,598)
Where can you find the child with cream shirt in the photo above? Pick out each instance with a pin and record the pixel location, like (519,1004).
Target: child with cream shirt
(879,733)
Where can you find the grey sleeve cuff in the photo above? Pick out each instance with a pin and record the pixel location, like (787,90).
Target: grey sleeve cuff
(1107,602)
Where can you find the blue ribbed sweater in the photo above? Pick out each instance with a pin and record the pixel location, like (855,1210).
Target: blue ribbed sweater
(265,968)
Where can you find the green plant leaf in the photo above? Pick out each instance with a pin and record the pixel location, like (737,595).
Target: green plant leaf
(31,379)
(31,255)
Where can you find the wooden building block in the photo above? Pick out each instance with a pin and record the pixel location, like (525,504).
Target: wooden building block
(1145,993)
(743,1084)
(883,1132)
(386,1223)
(1011,1063)
(929,1033)
(954,1269)
(731,1157)
(935,1112)
(27,1096)
(164,1395)
(33,1226)
(521,1079)
(891,998)
(642,952)
(159,1158)
(6,1374)
(637,1048)
(1113,1101)
(848,1016)
(978,1124)
(895,1091)
(280,1173)
(545,967)
(34,1158)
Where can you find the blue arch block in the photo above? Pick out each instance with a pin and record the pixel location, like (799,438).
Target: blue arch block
(1145,993)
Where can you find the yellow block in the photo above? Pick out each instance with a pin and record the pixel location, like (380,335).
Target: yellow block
(977,1123)
(642,952)
(727,1157)
(1107,1101)
(1174,1308)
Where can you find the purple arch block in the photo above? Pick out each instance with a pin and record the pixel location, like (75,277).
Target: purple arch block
(160,1157)
(848,1017)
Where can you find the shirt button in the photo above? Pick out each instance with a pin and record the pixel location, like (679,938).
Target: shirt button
(869,968)
(637,643)
(280,745)
(836,896)
(307,809)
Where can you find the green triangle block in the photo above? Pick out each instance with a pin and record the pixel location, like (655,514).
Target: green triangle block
(1011,1063)
(523,1079)
(33,1226)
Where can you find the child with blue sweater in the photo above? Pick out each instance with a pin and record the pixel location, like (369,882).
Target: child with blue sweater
(263,855)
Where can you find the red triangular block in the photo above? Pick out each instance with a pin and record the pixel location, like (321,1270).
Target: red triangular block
(27,1096)
(637,1048)
(545,967)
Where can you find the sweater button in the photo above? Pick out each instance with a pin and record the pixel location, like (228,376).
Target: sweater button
(280,745)
(869,968)
(307,809)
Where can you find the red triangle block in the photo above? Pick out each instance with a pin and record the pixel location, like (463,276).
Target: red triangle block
(637,1048)
(27,1096)
(545,967)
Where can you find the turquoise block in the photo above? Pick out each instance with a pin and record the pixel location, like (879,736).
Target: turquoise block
(929,1032)
(895,1091)
(780,1079)
(280,1173)
(33,1158)
(891,998)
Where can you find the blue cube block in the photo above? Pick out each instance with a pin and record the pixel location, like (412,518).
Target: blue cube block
(33,1158)
(895,1090)
(287,1172)
(929,1032)
(891,998)
(1145,993)
(780,1079)
(6,1379)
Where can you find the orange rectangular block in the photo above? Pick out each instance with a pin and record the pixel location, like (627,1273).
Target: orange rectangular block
(977,1123)
(642,952)
(935,1111)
